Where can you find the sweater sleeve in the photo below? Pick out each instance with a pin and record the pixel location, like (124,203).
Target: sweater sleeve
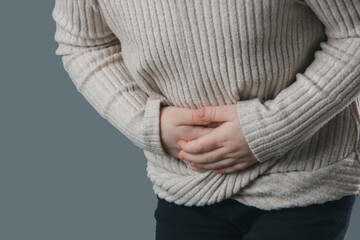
(92,57)
(328,85)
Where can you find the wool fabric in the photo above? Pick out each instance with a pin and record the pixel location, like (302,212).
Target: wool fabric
(291,67)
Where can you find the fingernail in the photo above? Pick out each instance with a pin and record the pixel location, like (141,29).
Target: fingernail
(181,143)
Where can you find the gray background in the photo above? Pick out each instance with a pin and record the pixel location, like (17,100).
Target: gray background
(65,172)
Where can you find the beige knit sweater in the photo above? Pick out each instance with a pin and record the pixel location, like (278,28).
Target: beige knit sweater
(292,67)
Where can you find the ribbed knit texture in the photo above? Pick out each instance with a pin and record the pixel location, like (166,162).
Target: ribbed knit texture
(291,67)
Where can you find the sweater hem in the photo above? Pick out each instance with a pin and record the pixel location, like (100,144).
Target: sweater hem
(303,188)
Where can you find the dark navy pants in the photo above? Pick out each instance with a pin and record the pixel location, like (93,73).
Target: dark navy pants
(230,220)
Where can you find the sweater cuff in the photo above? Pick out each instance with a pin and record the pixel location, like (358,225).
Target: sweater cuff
(250,113)
(152,125)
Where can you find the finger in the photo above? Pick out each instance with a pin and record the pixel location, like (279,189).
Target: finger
(197,169)
(207,157)
(188,116)
(204,143)
(187,162)
(216,113)
(234,168)
(224,163)
(200,170)
(189,133)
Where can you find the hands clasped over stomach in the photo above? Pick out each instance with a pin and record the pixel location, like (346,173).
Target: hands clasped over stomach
(207,138)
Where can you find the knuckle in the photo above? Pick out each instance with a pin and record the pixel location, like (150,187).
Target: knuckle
(209,159)
(212,113)
(231,154)
(219,140)
(222,155)
(194,117)
(222,164)
(201,148)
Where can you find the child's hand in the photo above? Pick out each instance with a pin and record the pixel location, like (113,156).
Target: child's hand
(224,148)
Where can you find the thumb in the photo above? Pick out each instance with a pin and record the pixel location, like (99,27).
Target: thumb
(213,113)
